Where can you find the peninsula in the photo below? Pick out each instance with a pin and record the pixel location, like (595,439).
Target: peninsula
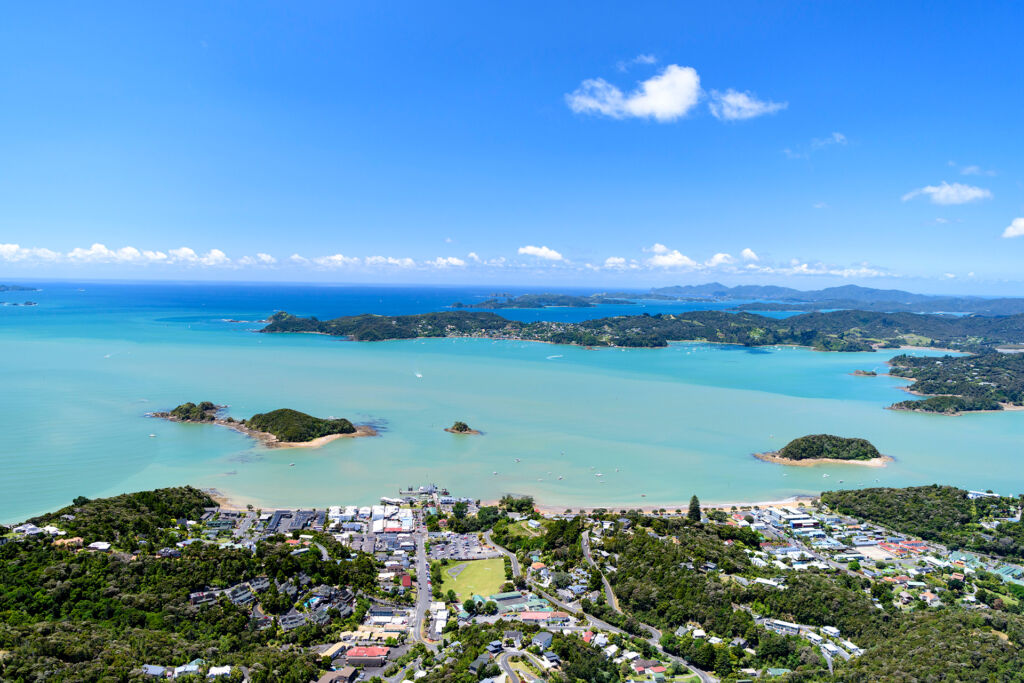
(281,428)
(955,385)
(820,449)
(831,331)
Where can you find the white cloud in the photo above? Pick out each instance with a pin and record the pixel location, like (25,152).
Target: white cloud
(259,259)
(1014,229)
(615,263)
(665,97)
(99,253)
(669,258)
(976,170)
(639,59)
(819,205)
(296,258)
(949,193)
(390,261)
(332,261)
(749,255)
(15,252)
(719,260)
(447,262)
(540,252)
(834,139)
(733,105)
(472,256)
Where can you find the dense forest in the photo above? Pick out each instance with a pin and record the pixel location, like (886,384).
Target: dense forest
(292,426)
(962,383)
(833,331)
(829,446)
(943,514)
(92,616)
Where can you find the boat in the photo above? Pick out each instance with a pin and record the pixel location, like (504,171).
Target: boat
(152,436)
(560,477)
(291,464)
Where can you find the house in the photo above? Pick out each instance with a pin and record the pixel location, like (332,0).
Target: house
(494,647)
(552,658)
(185,670)
(542,640)
(291,621)
(479,663)
(218,671)
(100,546)
(347,674)
(153,670)
(830,631)
(929,598)
(202,597)
(515,637)
(783,627)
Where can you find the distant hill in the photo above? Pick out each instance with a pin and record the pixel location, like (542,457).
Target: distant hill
(846,296)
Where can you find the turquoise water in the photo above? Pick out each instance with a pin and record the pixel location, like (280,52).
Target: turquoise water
(81,370)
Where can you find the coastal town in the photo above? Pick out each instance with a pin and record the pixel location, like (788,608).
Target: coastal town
(443,590)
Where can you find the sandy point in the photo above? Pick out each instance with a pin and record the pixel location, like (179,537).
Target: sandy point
(811,462)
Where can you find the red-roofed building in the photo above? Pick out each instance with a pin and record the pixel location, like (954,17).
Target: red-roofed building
(588,636)
(406,581)
(367,656)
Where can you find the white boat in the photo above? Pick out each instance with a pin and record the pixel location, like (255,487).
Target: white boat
(152,436)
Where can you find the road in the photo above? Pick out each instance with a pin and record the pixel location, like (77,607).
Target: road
(609,594)
(419,619)
(654,640)
(323,552)
(516,572)
(506,667)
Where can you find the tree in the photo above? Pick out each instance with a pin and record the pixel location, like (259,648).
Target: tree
(694,514)
(452,597)
(469,606)
(460,509)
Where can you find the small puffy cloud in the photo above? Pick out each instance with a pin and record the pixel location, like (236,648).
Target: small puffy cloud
(15,252)
(719,260)
(259,259)
(665,97)
(99,253)
(390,261)
(669,258)
(1014,229)
(332,261)
(949,193)
(447,262)
(749,255)
(473,256)
(733,105)
(540,252)
(615,263)
(299,259)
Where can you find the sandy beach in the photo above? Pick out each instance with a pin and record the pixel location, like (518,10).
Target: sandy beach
(811,462)
(270,441)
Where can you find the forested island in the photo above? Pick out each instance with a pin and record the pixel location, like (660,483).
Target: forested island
(815,449)
(832,331)
(17,288)
(943,514)
(546,301)
(960,384)
(461,428)
(282,428)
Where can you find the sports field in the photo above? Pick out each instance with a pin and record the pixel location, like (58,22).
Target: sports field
(477,577)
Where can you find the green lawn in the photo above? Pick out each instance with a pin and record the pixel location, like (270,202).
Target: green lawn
(520,529)
(477,577)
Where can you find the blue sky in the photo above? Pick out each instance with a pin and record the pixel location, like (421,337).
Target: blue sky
(603,144)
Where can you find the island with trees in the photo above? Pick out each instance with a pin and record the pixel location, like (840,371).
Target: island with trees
(546,301)
(955,385)
(818,449)
(281,428)
(831,331)
(461,428)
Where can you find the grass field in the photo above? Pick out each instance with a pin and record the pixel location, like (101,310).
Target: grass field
(477,577)
(520,529)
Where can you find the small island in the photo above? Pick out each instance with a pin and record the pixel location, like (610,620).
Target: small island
(948,405)
(818,449)
(864,373)
(461,428)
(281,428)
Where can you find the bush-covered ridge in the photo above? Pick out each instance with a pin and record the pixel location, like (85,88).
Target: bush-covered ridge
(829,446)
(191,412)
(962,383)
(295,427)
(832,331)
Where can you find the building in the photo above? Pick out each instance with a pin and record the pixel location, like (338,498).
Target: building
(367,656)
(542,640)
(347,674)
